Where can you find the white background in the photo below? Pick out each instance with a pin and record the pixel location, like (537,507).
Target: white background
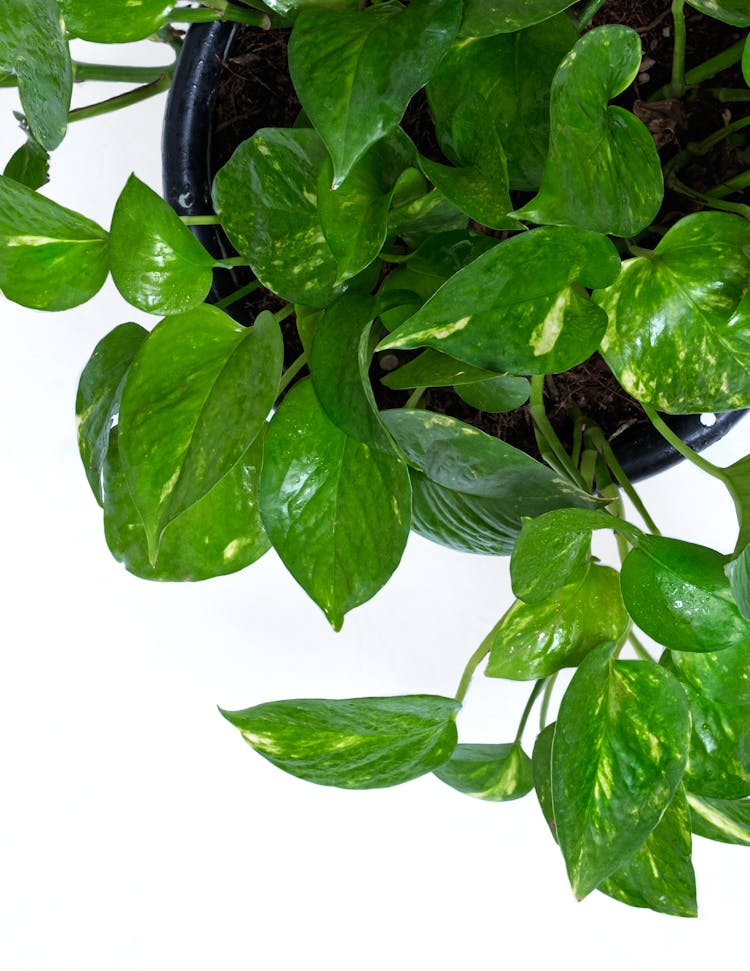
(138,831)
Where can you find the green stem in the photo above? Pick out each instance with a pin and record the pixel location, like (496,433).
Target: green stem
(527,710)
(588,13)
(615,506)
(639,648)
(736,184)
(546,699)
(600,442)
(219,10)
(678,83)
(122,100)
(471,665)
(542,423)
(237,295)
(82,71)
(211,220)
(415,397)
(677,443)
(710,201)
(704,147)
(284,313)
(708,69)
(230,262)
(292,371)
(730,95)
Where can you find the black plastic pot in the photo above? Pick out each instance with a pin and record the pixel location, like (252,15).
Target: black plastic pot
(186,146)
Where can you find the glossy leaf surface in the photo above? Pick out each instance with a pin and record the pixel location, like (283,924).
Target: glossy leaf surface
(679,594)
(738,573)
(482,18)
(594,147)
(541,768)
(719,763)
(679,321)
(725,820)
(29,165)
(32,47)
(267,192)
(356,71)
(660,876)
(619,753)
(353,743)
(481,316)
(505,392)
(112,21)
(197,395)
(512,73)
(722,676)
(157,263)
(736,12)
(290,8)
(535,640)
(431,369)
(553,550)
(51,258)
(98,398)
(219,534)
(431,213)
(497,773)
(337,511)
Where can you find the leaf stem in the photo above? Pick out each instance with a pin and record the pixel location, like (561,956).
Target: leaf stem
(284,313)
(471,665)
(133,97)
(736,184)
(705,145)
(677,443)
(708,69)
(208,220)
(599,441)
(83,71)
(678,84)
(535,691)
(729,95)
(237,295)
(542,423)
(639,647)
(414,398)
(546,699)
(711,201)
(588,13)
(219,10)
(230,262)
(291,372)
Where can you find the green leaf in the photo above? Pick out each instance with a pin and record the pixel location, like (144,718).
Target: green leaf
(421,218)
(51,258)
(512,73)
(29,165)
(219,534)
(735,12)
(197,395)
(157,263)
(483,18)
(719,763)
(478,181)
(549,325)
(353,743)
(32,47)
(678,319)
(356,71)
(595,148)
(679,594)
(354,217)
(98,398)
(535,640)
(267,192)
(497,773)
(618,756)
(725,820)
(553,550)
(505,392)
(431,369)
(660,876)
(738,573)
(112,21)
(722,676)
(336,510)
(746,60)
(290,8)
(541,767)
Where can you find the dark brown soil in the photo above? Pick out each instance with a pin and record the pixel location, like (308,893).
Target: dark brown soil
(256,92)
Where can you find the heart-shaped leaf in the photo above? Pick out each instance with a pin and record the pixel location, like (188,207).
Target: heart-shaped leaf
(722,676)
(482,316)
(482,18)
(157,263)
(679,320)
(32,47)
(719,763)
(266,194)
(29,165)
(112,21)
(352,743)
(497,773)
(725,820)
(679,594)
(51,258)
(660,876)
(595,148)
(619,753)
(512,73)
(219,534)
(505,392)
(356,71)
(98,398)
(735,12)
(535,640)
(196,396)
(336,510)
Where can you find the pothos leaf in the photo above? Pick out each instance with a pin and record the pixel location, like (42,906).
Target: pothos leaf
(29,165)
(431,369)
(504,392)
(356,71)
(497,773)
(733,12)
(197,395)
(157,263)
(547,326)
(679,594)
(32,47)
(267,192)
(725,820)
(594,148)
(98,398)
(112,21)
(738,573)
(352,743)
(51,258)
(722,676)
(482,18)
(619,753)
(535,640)
(290,8)
(336,509)
(679,319)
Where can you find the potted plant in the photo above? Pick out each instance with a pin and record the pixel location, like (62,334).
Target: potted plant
(536,238)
